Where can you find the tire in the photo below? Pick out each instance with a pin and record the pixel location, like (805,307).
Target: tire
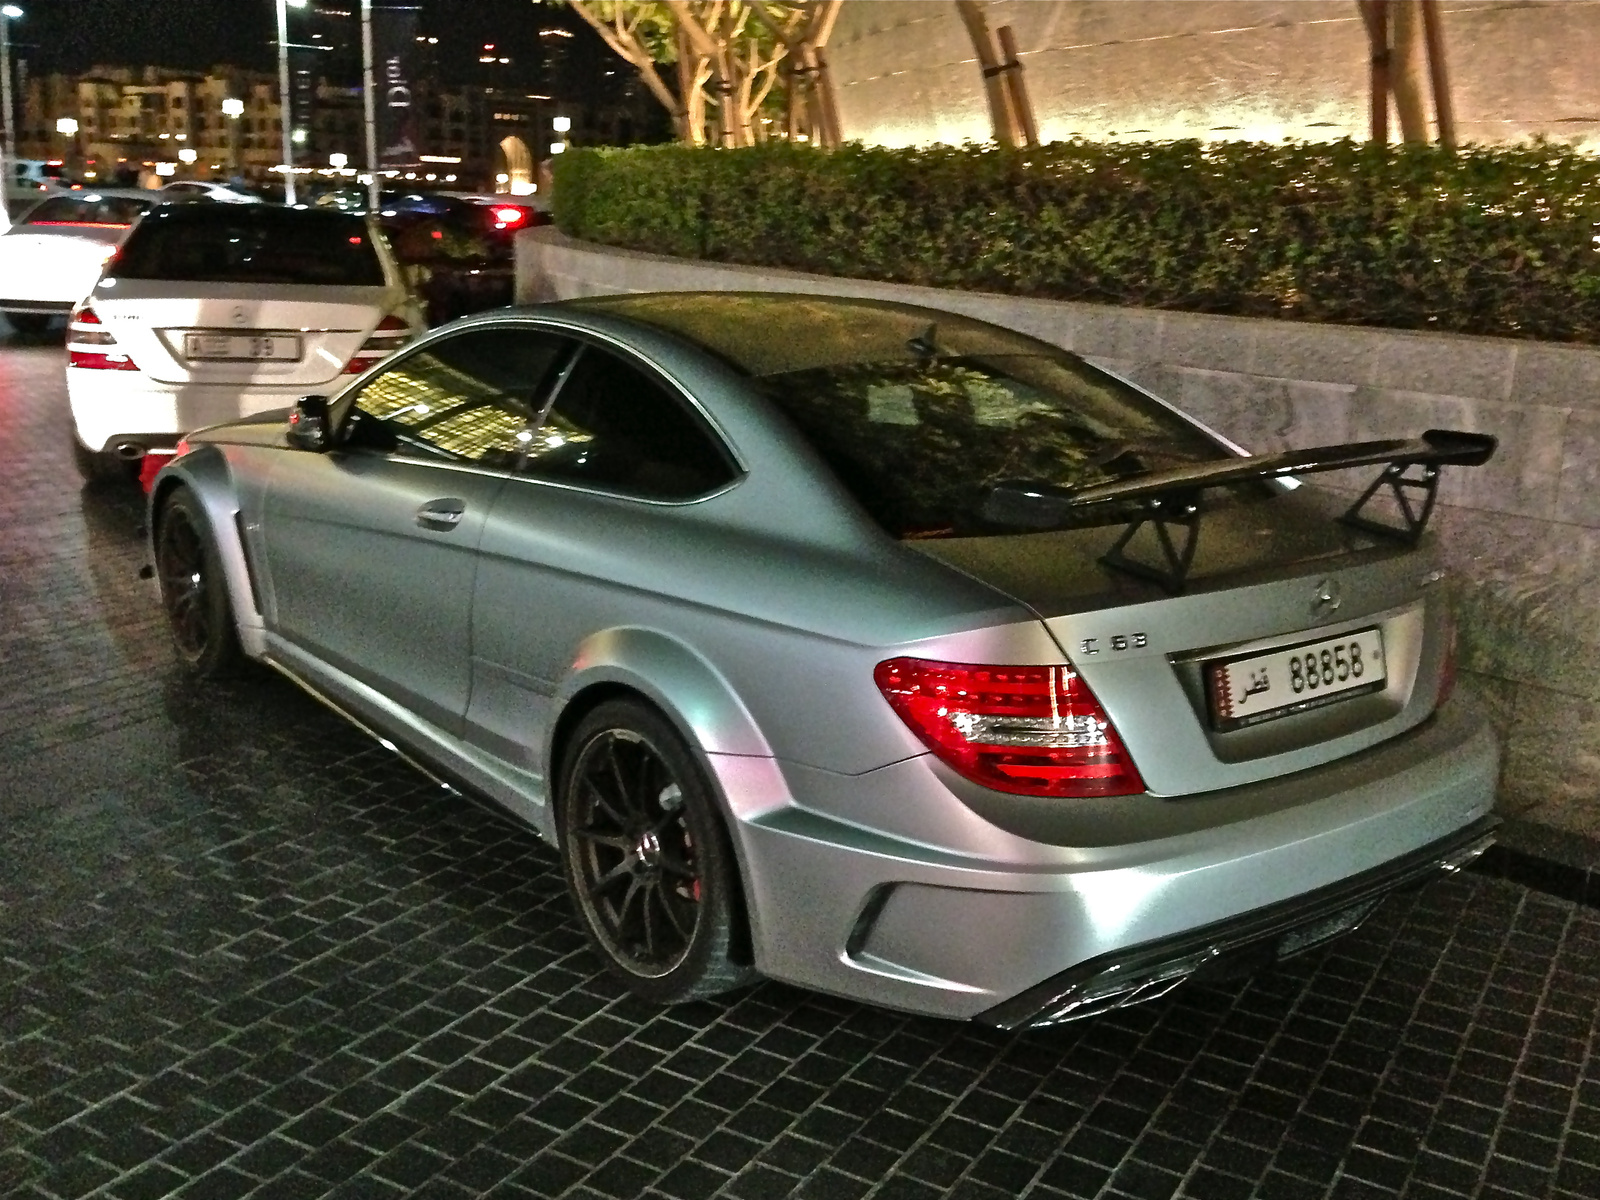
(96,467)
(31,324)
(194,590)
(646,857)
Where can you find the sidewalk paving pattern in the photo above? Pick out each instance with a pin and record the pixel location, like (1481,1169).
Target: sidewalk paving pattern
(246,952)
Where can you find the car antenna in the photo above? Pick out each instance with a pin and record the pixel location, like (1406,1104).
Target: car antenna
(925,344)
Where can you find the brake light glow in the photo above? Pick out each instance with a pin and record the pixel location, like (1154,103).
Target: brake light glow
(1033,731)
(508,217)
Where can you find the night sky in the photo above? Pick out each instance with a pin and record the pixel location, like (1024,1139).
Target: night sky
(72,35)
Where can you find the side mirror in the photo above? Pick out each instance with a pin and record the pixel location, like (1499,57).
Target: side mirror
(308,424)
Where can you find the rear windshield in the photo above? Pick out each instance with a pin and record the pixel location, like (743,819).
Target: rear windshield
(86,210)
(245,244)
(921,413)
(921,443)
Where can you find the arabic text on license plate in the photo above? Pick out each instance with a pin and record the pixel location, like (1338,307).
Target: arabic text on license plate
(241,347)
(1261,687)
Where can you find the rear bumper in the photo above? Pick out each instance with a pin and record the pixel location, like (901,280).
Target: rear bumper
(1235,946)
(114,407)
(857,912)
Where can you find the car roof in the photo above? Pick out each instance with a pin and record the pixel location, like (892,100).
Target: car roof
(770,333)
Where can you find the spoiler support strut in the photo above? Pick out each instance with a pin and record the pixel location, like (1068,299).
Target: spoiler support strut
(1170,501)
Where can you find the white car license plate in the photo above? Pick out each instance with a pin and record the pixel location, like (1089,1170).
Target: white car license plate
(1261,687)
(241,347)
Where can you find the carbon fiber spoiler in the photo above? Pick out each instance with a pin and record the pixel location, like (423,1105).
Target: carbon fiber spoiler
(1173,498)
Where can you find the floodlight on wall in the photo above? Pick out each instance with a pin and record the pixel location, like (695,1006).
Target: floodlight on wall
(67,125)
(233,107)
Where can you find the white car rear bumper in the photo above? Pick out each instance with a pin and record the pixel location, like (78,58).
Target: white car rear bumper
(114,407)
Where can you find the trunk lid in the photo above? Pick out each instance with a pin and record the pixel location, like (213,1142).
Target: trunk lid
(1269,576)
(216,333)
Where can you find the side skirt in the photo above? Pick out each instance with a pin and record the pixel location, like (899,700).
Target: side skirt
(446,760)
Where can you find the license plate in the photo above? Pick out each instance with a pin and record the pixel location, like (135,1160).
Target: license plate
(241,347)
(1263,687)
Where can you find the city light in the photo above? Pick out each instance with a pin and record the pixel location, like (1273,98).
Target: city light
(67,125)
(166,168)
(233,107)
(188,154)
(561,124)
(338,160)
(298,137)
(558,147)
(11,10)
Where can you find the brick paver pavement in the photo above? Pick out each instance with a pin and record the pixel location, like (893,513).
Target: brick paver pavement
(246,952)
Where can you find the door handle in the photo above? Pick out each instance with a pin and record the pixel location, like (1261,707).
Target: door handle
(443,514)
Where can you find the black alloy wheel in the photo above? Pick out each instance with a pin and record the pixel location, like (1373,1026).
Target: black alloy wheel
(193,589)
(646,856)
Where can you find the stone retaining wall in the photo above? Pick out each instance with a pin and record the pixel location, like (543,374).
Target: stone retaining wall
(1523,533)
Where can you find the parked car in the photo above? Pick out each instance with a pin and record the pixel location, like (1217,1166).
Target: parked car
(199,189)
(863,646)
(52,254)
(214,311)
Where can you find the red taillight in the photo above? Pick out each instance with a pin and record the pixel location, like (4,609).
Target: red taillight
(1447,669)
(508,217)
(390,334)
(1036,731)
(84,328)
(90,361)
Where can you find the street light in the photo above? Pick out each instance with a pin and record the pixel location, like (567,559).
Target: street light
(8,14)
(561,124)
(67,125)
(284,105)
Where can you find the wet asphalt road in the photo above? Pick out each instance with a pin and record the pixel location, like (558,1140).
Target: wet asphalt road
(246,952)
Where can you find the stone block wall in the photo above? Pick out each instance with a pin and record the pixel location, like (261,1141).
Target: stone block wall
(1522,534)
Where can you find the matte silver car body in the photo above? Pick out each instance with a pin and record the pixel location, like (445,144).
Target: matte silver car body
(754,617)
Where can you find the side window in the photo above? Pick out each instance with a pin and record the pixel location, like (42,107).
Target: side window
(614,427)
(469,398)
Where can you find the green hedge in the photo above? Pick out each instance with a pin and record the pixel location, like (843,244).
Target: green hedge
(1490,241)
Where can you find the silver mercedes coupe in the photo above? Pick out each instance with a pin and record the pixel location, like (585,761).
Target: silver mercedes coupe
(863,646)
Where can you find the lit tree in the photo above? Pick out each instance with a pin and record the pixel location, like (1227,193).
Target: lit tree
(730,55)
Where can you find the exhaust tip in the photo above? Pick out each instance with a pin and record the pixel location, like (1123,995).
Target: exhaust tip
(130,451)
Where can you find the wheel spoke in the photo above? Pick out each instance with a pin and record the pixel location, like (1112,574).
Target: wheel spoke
(672,916)
(628,798)
(611,841)
(603,802)
(620,871)
(645,909)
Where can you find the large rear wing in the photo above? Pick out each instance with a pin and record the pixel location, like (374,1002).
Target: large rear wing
(1171,500)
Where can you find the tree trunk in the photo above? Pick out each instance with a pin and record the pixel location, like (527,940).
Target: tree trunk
(1438,75)
(1000,115)
(1403,72)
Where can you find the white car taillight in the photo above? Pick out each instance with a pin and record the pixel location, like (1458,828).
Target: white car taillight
(86,329)
(391,333)
(1035,731)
